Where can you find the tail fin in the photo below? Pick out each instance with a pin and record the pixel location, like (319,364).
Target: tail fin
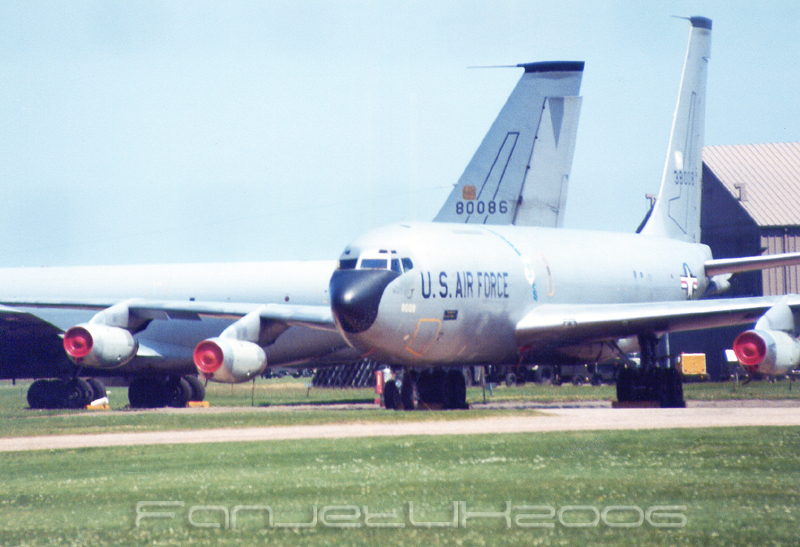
(533,140)
(676,213)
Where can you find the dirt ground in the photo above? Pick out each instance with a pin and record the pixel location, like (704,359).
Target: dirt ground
(572,417)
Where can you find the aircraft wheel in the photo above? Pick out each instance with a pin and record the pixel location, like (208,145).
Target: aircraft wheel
(408,391)
(98,389)
(579,380)
(147,392)
(391,395)
(456,391)
(425,386)
(652,384)
(625,384)
(671,389)
(511,379)
(178,392)
(39,394)
(198,389)
(438,391)
(77,393)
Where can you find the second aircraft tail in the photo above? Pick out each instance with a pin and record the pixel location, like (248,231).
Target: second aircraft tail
(519,174)
(676,213)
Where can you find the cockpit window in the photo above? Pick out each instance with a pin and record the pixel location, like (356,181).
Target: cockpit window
(373,264)
(377,260)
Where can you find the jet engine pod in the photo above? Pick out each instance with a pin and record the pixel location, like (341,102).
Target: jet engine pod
(100,346)
(229,360)
(767,351)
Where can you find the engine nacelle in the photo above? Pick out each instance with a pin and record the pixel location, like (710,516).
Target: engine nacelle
(229,360)
(767,351)
(100,346)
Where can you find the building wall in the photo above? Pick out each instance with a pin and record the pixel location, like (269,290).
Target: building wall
(786,280)
(730,232)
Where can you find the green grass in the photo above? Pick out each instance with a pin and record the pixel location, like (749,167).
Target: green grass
(17,420)
(310,407)
(738,486)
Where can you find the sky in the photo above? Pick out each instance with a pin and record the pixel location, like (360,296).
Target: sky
(154,132)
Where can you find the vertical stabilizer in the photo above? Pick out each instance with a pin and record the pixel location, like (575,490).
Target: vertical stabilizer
(520,171)
(544,192)
(676,213)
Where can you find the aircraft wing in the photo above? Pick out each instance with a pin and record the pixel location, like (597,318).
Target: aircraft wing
(14,322)
(317,317)
(562,324)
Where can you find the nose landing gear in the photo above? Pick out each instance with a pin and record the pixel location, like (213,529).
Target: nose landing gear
(428,389)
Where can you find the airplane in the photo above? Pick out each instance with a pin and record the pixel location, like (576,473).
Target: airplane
(507,294)
(168,327)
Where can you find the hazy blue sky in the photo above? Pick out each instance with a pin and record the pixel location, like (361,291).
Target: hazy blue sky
(203,131)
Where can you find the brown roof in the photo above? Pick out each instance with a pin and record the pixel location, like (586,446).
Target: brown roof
(770,175)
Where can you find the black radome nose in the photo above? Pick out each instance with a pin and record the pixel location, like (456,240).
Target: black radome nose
(356,295)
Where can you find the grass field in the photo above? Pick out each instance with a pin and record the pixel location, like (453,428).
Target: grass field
(682,487)
(18,420)
(722,487)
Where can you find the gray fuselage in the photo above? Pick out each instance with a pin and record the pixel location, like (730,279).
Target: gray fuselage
(470,285)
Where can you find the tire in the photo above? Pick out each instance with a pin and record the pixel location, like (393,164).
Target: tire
(98,389)
(438,387)
(456,390)
(147,392)
(177,391)
(511,379)
(625,385)
(671,389)
(391,395)
(77,393)
(408,391)
(198,389)
(39,394)
(425,389)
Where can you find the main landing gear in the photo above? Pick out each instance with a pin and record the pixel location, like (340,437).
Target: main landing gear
(435,388)
(143,392)
(174,391)
(72,393)
(650,383)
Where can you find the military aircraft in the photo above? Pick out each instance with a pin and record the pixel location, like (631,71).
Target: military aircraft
(160,325)
(433,296)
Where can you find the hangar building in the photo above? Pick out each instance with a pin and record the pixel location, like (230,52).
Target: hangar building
(750,206)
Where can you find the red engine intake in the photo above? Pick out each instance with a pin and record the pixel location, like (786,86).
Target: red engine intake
(100,346)
(750,349)
(208,357)
(78,342)
(767,351)
(229,360)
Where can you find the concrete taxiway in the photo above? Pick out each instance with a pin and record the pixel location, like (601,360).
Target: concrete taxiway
(549,420)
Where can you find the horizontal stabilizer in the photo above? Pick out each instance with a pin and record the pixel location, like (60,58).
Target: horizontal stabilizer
(750,263)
